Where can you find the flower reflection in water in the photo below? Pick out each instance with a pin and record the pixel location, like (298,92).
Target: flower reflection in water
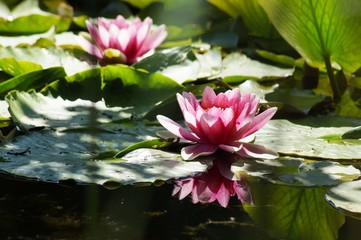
(216,183)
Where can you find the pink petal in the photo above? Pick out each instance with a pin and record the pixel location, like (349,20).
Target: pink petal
(142,33)
(260,120)
(123,39)
(257,151)
(213,128)
(199,149)
(233,96)
(176,129)
(230,148)
(187,101)
(223,196)
(208,98)
(227,117)
(104,36)
(154,38)
(90,48)
(186,187)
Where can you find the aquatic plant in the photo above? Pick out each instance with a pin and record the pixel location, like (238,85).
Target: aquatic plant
(122,41)
(225,121)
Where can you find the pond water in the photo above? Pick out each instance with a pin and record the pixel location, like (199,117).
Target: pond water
(38,210)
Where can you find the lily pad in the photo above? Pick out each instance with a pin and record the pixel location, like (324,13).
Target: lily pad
(207,62)
(28,18)
(346,197)
(53,57)
(32,80)
(78,140)
(294,139)
(9,41)
(54,156)
(297,171)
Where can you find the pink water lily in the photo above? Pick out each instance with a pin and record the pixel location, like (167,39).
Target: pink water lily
(225,121)
(215,184)
(121,40)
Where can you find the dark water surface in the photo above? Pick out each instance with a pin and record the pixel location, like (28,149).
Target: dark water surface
(37,210)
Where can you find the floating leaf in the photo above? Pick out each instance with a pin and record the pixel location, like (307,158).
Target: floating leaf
(53,57)
(54,156)
(126,86)
(298,172)
(306,141)
(73,139)
(206,62)
(346,197)
(15,67)
(32,80)
(294,213)
(6,41)
(28,18)
(320,29)
(354,133)
(302,100)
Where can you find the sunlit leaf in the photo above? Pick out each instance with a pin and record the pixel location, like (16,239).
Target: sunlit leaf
(15,67)
(306,139)
(294,213)
(53,57)
(32,80)
(349,106)
(73,139)
(298,171)
(154,143)
(9,41)
(126,86)
(346,197)
(320,29)
(252,14)
(237,67)
(141,3)
(206,62)
(28,18)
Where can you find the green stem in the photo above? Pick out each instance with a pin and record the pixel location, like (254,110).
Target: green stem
(331,76)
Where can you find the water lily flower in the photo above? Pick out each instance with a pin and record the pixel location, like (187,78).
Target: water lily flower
(121,40)
(215,184)
(225,121)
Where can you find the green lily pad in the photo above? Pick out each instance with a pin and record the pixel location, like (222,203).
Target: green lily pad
(15,67)
(297,171)
(52,57)
(79,139)
(301,100)
(119,85)
(207,63)
(9,41)
(28,18)
(306,141)
(32,80)
(346,197)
